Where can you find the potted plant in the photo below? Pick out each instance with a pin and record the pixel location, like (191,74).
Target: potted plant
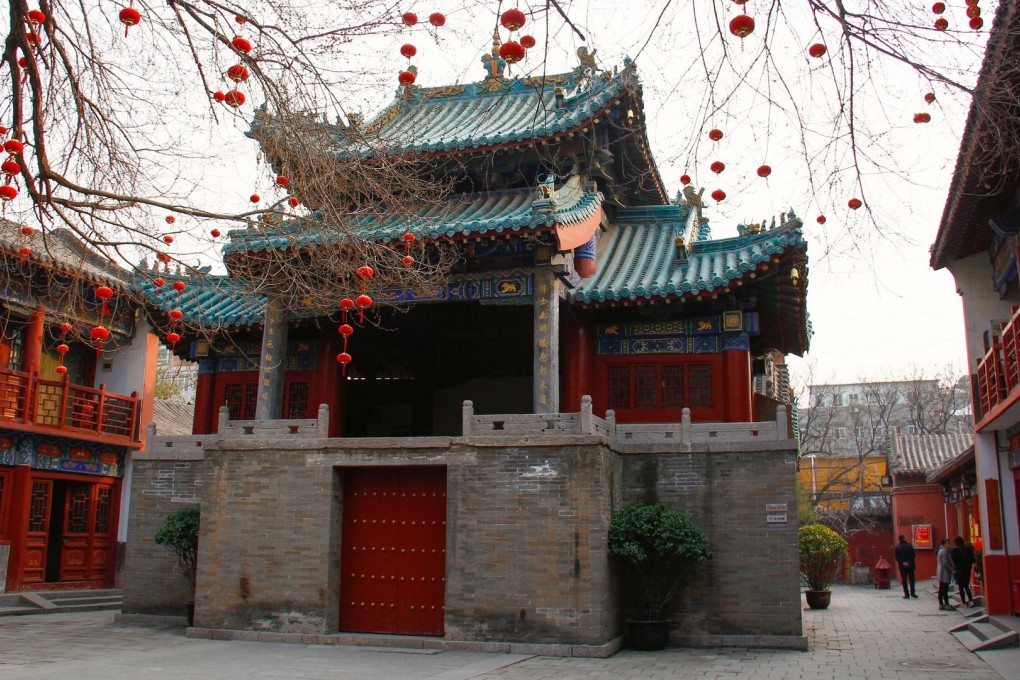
(180,533)
(820,550)
(655,546)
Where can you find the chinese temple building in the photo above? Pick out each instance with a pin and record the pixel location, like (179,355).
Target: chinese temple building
(977,242)
(613,346)
(69,415)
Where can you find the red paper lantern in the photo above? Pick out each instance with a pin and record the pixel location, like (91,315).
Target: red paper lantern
(970,2)
(170,219)
(922,117)
(176,314)
(173,338)
(104,293)
(343,358)
(35,16)
(363,302)
(406,78)
(718,195)
(8,193)
(930,97)
(764,170)
(938,7)
(241,44)
(973,11)
(409,237)
(437,19)
(27,231)
(685,179)
(3,130)
(254,198)
(347,304)
(742,26)
(293,202)
(219,96)
(854,203)
(941,24)
(715,134)
(233,99)
(409,18)
(407,260)
(820,219)
(13,147)
(22,62)
(240,19)
(408,50)
(63,349)
(512,52)
(179,286)
(282,181)
(365,272)
(159,282)
(215,233)
(345,330)
(817,50)
(163,257)
(168,239)
(24,252)
(717,167)
(238,73)
(129,16)
(976,23)
(61,370)
(99,333)
(32,39)
(512,19)
(528,41)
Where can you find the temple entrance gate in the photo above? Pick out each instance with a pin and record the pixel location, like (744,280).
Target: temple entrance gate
(393,550)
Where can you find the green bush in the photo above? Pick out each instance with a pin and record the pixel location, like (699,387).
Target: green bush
(820,550)
(656,545)
(180,533)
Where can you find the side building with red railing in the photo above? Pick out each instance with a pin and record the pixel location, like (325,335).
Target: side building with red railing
(77,373)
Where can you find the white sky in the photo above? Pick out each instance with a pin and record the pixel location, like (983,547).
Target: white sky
(877,309)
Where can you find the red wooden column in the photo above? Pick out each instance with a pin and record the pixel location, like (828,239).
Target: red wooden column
(736,391)
(21,496)
(331,384)
(579,364)
(31,347)
(205,398)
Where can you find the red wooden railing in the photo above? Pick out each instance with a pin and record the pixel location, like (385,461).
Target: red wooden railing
(28,402)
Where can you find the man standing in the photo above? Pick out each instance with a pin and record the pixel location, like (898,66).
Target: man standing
(905,560)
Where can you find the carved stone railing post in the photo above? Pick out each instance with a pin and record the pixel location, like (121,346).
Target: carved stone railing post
(587,422)
(468,418)
(322,426)
(224,419)
(685,426)
(611,424)
(781,429)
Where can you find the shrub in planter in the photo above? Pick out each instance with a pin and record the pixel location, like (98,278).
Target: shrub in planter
(180,533)
(820,549)
(655,545)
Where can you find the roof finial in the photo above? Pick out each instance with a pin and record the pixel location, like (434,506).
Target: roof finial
(494,64)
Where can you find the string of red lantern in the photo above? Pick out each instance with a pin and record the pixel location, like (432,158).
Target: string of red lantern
(10,168)
(512,51)
(409,238)
(129,16)
(62,348)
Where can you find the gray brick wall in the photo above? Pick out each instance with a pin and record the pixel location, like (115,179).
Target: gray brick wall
(526,536)
(150,578)
(751,586)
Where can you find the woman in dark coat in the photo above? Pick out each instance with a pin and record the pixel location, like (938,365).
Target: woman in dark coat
(963,562)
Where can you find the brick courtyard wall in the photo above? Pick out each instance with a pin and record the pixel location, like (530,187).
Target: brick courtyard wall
(751,586)
(528,557)
(150,578)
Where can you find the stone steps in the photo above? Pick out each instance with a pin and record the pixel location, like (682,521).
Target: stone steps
(981,632)
(58,601)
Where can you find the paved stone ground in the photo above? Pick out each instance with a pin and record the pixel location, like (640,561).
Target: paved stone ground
(864,634)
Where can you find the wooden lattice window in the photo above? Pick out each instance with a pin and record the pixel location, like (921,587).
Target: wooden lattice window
(38,507)
(700,392)
(77,518)
(104,505)
(296,403)
(618,380)
(241,398)
(654,389)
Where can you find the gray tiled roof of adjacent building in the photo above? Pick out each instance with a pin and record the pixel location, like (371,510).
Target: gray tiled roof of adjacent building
(924,452)
(172,418)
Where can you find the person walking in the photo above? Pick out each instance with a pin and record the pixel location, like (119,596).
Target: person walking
(905,560)
(944,574)
(963,561)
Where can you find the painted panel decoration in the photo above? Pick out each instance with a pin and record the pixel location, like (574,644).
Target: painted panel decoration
(685,336)
(488,286)
(244,356)
(69,455)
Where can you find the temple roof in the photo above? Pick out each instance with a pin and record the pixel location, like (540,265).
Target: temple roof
(209,301)
(462,215)
(65,252)
(497,111)
(924,452)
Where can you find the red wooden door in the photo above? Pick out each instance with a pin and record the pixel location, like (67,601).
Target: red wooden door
(393,552)
(86,543)
(38,532)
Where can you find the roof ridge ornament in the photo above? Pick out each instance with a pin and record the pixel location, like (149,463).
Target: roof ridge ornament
(494,64)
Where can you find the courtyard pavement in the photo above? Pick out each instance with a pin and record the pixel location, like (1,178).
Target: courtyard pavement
(865,633)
